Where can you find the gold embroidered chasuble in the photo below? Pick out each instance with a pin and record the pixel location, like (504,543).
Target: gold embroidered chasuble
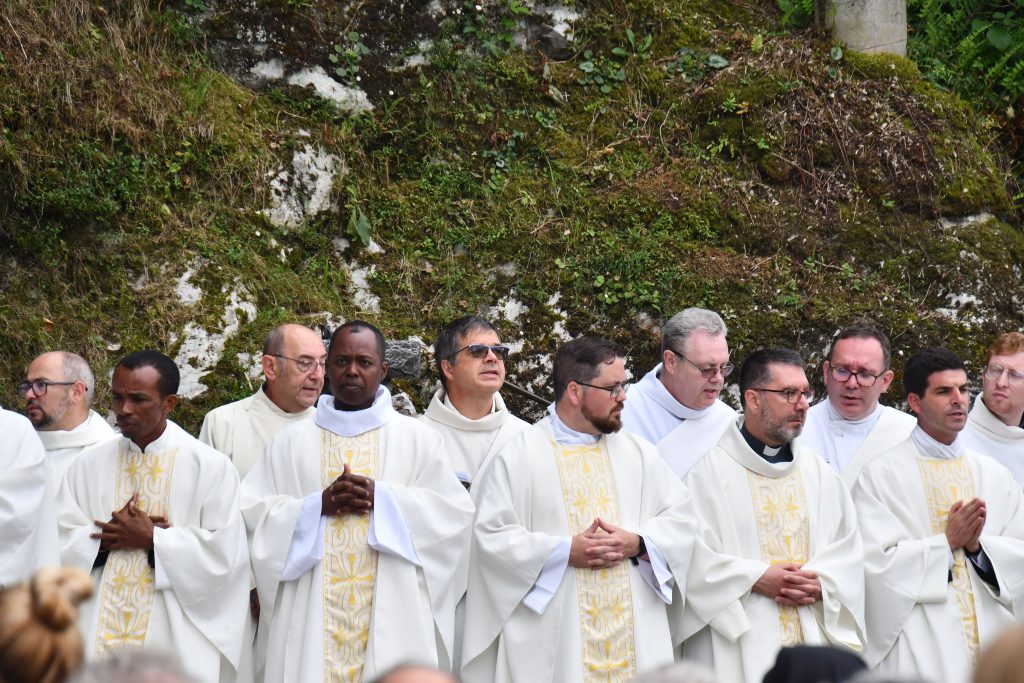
(947,481)
(605,595)
(783,534)
(349,564)
(127,587)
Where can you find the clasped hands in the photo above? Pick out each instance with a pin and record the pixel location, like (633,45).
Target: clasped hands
(602,545)
(964,525)
(129,528)
(789,584)
(349,493)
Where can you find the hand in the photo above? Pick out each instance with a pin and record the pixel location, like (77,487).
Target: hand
(129,528)
(799,587)
(349,493)
(964,525)
(602,545)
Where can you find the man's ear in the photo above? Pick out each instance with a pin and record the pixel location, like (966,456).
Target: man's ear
(385,366)
(446,370)
(269,364)
(914,401)
(78,392)
(169,402)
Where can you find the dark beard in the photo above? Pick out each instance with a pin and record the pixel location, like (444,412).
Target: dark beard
(609,424)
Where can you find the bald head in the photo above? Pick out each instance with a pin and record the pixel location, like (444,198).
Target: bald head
(416,674)
(69,389)
(293,357)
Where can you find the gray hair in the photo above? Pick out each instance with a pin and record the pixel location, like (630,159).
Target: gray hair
(77,370)
(680,672)
(132,666)
(680,326)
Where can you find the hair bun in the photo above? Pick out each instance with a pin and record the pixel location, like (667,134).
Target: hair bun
(56,594)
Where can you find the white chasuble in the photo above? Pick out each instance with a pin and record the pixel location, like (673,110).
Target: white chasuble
(28,526)
(592,625)
(126,590)
(242,430)
(391,603)
(605,596)
(756,514)
(350,565)
(63,446)
(783,533)
(987,435)
(921,623)
(847,445)
(190,604)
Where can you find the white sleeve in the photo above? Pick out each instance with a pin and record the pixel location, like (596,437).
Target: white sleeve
(546,585)
(656,572)
(388,531)
(307,546)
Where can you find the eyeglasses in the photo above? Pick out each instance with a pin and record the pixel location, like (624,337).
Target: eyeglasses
(305,365)
(791,395)
(995,371)
(39,386)
(479,351)
(863,377)
(708,373)
(614,390)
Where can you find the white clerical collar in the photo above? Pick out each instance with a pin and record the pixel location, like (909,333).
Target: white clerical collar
(164,441)
(444,411)
(867,421)
(448,404)
(667,401)
(931,448)
(354,422)
(263,398)
(566,435)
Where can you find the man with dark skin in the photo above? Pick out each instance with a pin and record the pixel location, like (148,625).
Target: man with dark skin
(140,413)
(181,587)
(358,496)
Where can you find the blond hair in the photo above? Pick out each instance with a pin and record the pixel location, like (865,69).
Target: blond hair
(39,642)
(1006,344)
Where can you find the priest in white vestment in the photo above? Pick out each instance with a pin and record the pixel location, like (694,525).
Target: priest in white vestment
(850,427)
(582,540)
(995,426)
(171,564)
(943,534)
(28,526)
(779,562)
(293,362)
(470,414)
(675,406)
(357,525)
(58,392)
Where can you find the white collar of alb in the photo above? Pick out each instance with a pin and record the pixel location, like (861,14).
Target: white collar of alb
(834,415)
(667,401)
(931,448)
(566,435)
(354,422)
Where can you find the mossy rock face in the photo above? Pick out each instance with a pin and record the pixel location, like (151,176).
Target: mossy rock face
(720,163)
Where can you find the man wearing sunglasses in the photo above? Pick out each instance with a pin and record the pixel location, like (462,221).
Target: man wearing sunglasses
(995,426)
(58,392)
(851,427)
(468,409)
(293,368)
(581,536)
(780,562)
(676,406)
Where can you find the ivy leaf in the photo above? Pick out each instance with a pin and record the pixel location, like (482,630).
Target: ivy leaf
(837,53)
(999,37)
(359,226)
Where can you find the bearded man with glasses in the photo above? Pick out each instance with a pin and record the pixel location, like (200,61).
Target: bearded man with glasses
(58,392)
(293,367)
(780,558)
(851,427)
(995,426)
(676,406)
(581,542)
